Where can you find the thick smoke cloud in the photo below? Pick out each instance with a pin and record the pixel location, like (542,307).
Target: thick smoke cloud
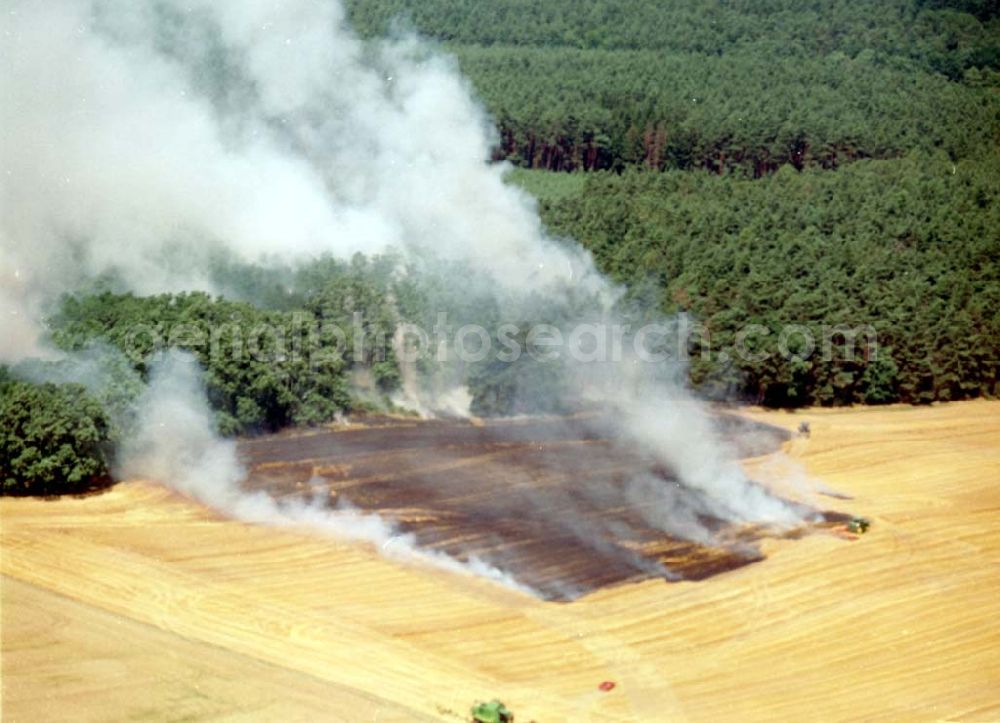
(139,138)
(173,441)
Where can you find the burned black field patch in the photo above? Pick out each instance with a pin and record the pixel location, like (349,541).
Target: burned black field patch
(549,500)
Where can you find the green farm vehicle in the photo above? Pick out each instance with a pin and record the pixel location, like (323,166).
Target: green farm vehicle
(858,525)
(492,712)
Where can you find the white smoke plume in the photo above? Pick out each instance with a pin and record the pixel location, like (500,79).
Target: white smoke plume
(174,442)
(140,137)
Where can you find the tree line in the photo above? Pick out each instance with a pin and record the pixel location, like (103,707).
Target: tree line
(60,422)
(262,368)
(724,86)
(946,36)
(54,438)
(567,109)
(909,247)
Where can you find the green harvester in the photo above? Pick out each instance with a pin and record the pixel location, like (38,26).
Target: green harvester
(858,525)
(492,712)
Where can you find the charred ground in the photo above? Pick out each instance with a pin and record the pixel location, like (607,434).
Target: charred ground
(545,499)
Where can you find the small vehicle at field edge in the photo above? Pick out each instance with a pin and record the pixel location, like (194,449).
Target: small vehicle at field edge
(492,712)
(858,525)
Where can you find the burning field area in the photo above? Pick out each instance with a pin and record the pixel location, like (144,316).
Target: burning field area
(557,503)
(140,604)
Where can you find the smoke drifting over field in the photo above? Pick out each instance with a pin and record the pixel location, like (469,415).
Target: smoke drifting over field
(174,442)
(142,137)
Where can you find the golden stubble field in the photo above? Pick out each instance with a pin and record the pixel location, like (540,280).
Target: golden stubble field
(140,605)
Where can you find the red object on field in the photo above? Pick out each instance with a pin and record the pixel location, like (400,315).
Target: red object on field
(607,685)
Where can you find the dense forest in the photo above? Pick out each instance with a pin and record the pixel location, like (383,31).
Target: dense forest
(263,369)
(745,86)
(829,165)
(267,365)
(54,438)
(909,247)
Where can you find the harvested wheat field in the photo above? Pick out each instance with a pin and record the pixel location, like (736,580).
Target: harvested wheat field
(139,604)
